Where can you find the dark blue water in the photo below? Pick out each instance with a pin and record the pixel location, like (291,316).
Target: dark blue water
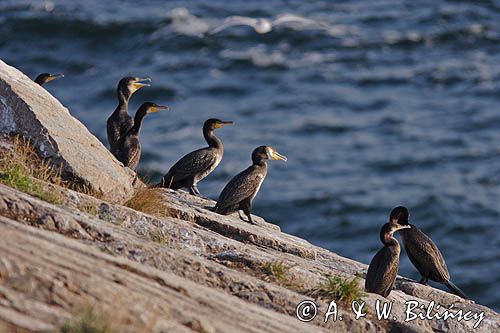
(395,103)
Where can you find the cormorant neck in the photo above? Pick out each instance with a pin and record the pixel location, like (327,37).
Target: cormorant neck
(389,240)
(211,139)
(139,117)
(123,98)
(259,161)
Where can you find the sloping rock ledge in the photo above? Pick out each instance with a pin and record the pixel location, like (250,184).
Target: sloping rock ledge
(182,269)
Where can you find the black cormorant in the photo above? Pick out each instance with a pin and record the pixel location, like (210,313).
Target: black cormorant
(423,253)
(383,268)
(46,77)
(240,191)
(128,148)
(120,121)
(195,166)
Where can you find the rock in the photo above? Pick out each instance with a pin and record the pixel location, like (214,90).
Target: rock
(135,297)
(29,110)
(212,259)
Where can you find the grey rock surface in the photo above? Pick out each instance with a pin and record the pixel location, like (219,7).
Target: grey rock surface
(31,111)
(194,256)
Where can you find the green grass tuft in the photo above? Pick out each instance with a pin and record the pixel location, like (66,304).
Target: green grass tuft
(342,290)
(276,270)
(15,175)
(24,171)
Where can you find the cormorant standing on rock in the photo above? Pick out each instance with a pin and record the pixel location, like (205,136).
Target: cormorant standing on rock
(46,77)
(423,253)
(240,191)
(128,148)
(120,121)
(195,166)
(383,268)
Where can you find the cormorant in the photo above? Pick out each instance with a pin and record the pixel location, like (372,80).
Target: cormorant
(195,166)
(423,252)
(120,121)
(383,268)
(46,77)
(240,191)
(128,148)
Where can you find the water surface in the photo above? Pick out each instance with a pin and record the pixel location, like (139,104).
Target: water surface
(396,103)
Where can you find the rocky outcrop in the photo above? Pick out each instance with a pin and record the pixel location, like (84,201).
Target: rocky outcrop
(193,266)
(29,110)
(163,261)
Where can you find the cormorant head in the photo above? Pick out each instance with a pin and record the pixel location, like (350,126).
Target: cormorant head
(150,107)
(266,153)
(389,229)
(211,124)
(46,77)
(129,85)
(400,215)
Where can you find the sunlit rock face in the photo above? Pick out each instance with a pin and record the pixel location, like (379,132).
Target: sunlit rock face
(29,110)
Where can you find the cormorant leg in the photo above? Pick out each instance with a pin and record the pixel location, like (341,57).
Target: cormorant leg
(423,280)
(194,190)
(241,217)
(246,206)
(250,219)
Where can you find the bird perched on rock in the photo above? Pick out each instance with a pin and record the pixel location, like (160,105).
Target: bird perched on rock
(383,268)
(120,121)
(46,77)
(424,253)
(128,148)
(195,166)
(242,189)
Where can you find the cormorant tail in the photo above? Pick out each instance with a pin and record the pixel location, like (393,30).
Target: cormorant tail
(456,290)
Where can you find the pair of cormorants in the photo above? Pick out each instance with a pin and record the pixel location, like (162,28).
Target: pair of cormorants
(422,251)
(123,131)
(239,193)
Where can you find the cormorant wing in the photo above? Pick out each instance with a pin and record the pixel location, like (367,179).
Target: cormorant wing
(232,21)
(242,186)
(382,271)
(422,251)
(193,163)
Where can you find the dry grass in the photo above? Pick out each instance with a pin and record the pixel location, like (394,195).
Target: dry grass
(149,201)
(159,236)
(88,320)
(342,290)
(24,170)
(89,209)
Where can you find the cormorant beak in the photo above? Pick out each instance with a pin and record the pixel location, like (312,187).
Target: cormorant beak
(141,82)
(399,227)
(223,123)
(277,156)
(54,76)
(158,108)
